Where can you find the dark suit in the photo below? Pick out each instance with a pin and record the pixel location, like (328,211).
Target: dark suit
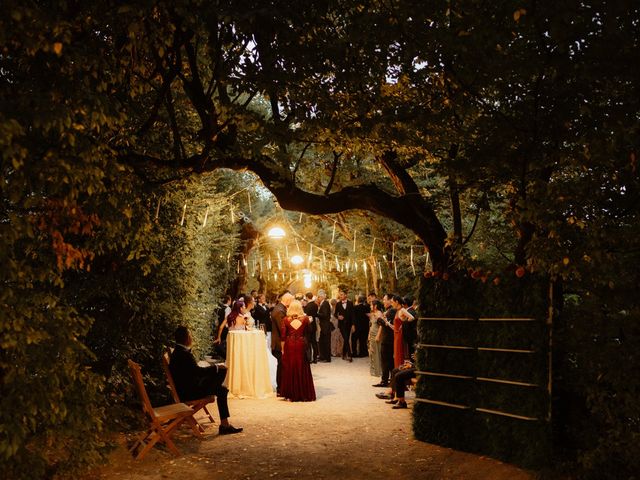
(345,325)
(386,345)
(261,316)
(311,309)
(194,382)
(277,320)
(361,334)
(324,316)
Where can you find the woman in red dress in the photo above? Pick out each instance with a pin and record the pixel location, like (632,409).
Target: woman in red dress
(402,315)
(297,383)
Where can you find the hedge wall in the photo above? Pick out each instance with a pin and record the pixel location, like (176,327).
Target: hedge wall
(524,442)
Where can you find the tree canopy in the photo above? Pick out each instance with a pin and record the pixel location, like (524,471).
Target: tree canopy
(503,134)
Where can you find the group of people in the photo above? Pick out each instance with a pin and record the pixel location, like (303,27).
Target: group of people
(304,330)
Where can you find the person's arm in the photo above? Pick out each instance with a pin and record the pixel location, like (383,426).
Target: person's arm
(405,316)
(220,328)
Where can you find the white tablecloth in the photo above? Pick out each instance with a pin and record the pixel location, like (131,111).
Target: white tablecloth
(248,364)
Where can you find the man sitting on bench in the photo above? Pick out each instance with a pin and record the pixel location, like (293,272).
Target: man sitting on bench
(193,381)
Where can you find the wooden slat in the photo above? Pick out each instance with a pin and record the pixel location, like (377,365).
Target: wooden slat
(505,414)
(446,375)
(507,319)
(447,319)
(508,350)
(506,382)
(453,347)
(444,404)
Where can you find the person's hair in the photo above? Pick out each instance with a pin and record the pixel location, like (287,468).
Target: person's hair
(227,298)
(286,297)
(235,311)
(397,298)
(181,335)
(283,293)
(333,302)
(248,299)
(295,308)
(309,295)
(253,291)
(372,294)
(378,304)
(408,301)
(362,299)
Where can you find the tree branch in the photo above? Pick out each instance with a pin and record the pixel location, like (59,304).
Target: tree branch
(334,169)
(401,179)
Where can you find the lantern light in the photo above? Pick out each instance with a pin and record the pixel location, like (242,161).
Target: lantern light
(276,233)
(297,259)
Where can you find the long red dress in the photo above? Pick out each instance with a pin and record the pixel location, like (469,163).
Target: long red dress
(296,383)
(398,344)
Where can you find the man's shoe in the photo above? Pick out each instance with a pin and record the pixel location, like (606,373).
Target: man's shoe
(228,429)
(381,384)
(400,405)
(383,396)
(349,359)
(392,402)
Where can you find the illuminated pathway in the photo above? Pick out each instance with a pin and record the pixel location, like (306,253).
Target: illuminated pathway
(346,434)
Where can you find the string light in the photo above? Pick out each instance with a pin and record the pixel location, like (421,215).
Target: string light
(184,211)
(158,209)
(206,215)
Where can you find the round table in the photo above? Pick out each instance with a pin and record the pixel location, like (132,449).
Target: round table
(248,364)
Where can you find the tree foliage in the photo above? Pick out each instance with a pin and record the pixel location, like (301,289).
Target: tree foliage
(502,134)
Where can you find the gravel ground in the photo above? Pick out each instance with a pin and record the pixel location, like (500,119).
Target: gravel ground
(346,434)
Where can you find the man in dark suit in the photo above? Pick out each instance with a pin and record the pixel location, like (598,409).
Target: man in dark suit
(261,313)
(324,322)
(311,310)
(344,313)
(194,382)
(361,328)
(277,317)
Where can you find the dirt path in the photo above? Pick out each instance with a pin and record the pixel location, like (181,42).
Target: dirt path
(346,434)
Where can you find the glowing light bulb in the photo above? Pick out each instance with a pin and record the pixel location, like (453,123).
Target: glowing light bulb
(276,232)
(307,280)
(297,259)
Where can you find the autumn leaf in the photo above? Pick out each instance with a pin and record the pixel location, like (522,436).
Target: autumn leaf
(518,13)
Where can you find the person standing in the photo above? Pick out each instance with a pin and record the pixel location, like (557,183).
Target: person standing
(261,313)
(311,310)
(361,327)
(296,379)
(324,321)
(385,336)
(374,346)
(401,317)
(409,328)
(277,318)
(336,336)
(344,312)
